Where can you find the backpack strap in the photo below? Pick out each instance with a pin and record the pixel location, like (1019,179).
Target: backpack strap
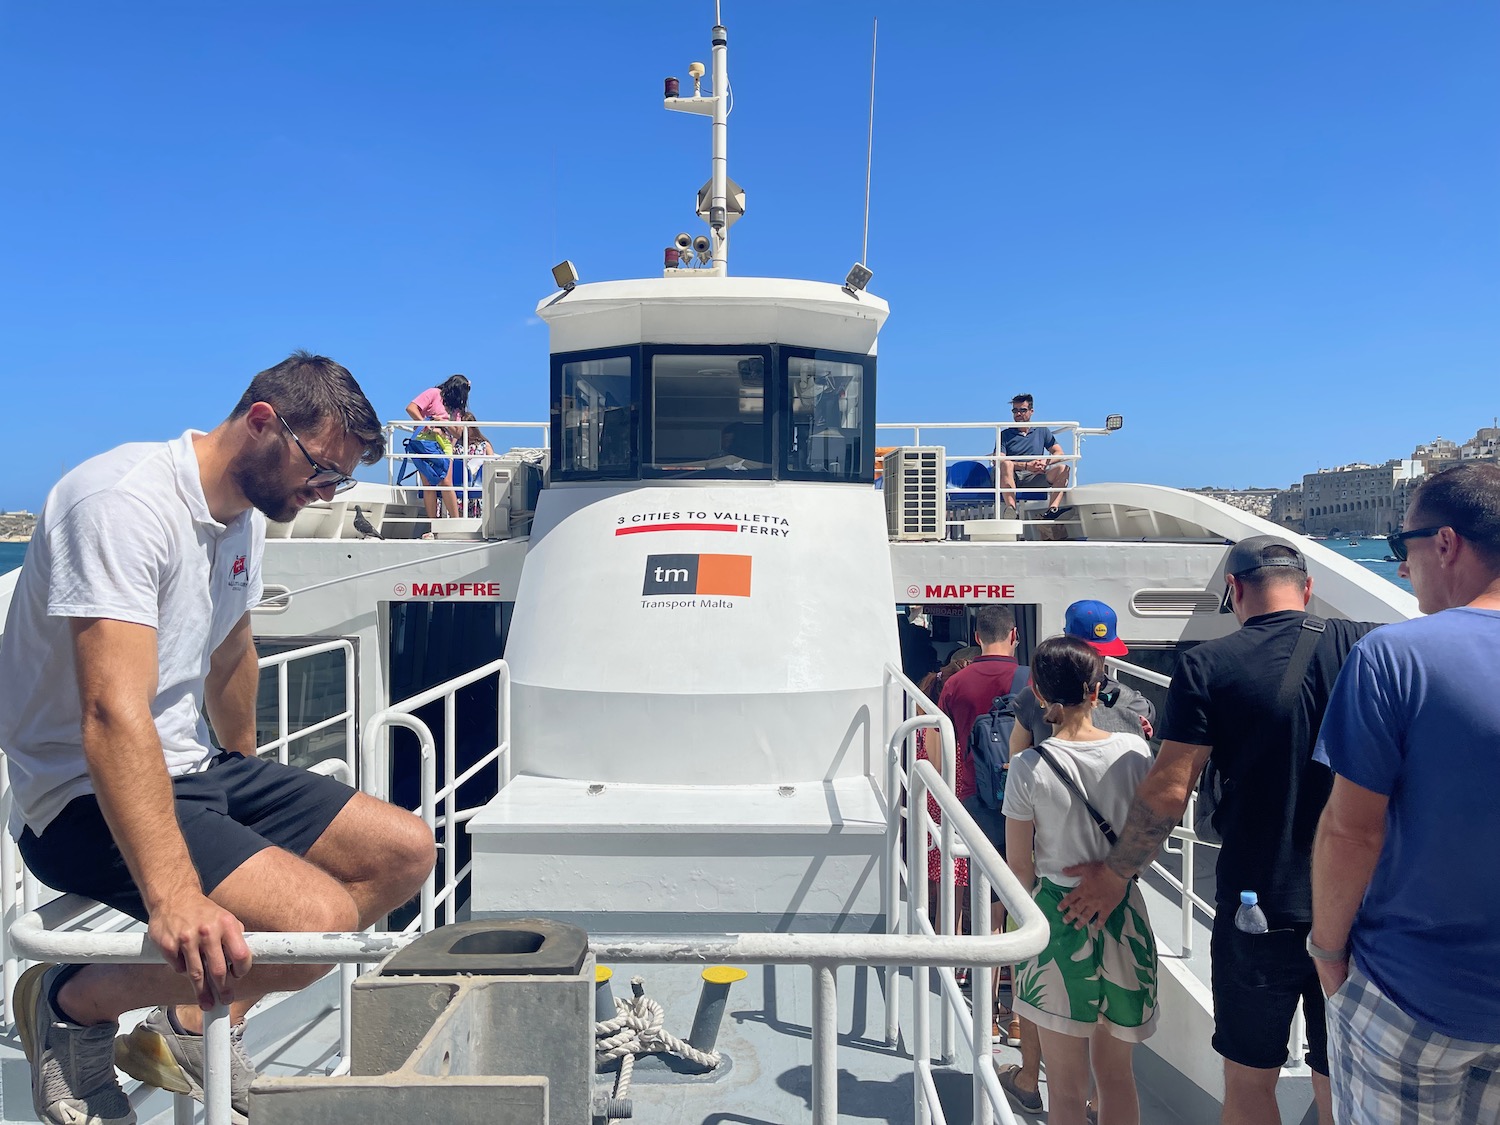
(1098,817)
(1296,670)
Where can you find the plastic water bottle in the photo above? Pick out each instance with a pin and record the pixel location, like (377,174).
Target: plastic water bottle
(1249,918)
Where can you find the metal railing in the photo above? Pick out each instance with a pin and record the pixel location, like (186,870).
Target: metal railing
(39,933)
(375,752)
(285,738)
(396,455)
(908,710)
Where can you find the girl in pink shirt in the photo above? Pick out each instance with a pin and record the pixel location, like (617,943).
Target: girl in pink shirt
(444,403)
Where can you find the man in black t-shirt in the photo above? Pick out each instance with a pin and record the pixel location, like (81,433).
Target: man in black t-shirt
(1224,703)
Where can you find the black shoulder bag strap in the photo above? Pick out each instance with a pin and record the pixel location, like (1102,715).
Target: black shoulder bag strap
(1104,825)
(1296,670)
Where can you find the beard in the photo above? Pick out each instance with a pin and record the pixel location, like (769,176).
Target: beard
(260,478)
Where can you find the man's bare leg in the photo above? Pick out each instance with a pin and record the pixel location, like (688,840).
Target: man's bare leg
(272,890)
(1323,1098)
(380,854)
(383,852)
(1005,480)
(1057,476)
(1250,1095)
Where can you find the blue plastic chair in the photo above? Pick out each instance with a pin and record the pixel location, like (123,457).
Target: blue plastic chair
(971,485)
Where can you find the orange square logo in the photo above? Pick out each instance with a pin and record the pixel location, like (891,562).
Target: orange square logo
(728,575)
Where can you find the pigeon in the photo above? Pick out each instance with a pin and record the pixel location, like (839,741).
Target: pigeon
(364,526)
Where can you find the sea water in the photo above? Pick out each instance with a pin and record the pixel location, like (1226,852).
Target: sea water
(1370,554)
(11,555)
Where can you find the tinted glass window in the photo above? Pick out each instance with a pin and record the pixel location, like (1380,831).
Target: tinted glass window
(827,418)
(596,416)
(708,413)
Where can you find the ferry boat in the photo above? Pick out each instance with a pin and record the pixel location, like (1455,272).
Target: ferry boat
(655,690)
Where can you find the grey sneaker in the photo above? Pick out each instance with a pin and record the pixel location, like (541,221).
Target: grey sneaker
(159,1055)
(72,1067)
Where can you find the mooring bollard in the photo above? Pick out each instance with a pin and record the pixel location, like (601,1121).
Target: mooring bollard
(710,1014)
(604,995)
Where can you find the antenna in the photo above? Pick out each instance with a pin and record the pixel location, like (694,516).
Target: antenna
(864,254)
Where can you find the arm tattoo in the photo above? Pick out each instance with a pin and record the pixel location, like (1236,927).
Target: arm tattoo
(1144,832)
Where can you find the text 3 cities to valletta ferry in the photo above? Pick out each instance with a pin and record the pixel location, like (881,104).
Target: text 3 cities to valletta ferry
(654,690)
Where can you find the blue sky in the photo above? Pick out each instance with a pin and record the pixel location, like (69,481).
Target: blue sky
(1265,232)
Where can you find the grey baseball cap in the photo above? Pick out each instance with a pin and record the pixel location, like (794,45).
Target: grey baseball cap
(1254,553)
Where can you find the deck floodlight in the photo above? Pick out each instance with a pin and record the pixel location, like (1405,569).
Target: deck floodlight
(1114,422)
(566,276)
(858,278)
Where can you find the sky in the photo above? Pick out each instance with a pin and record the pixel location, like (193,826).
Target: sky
(1265,232)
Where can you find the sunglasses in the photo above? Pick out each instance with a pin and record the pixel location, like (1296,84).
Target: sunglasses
(1397,541)
(322,476)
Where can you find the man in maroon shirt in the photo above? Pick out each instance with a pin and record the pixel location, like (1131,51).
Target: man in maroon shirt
(970,693)
(966,695)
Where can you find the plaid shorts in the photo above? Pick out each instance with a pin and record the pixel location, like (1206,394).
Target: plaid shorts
(1389,1069)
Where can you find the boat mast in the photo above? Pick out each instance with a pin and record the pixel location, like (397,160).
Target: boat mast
(714,202)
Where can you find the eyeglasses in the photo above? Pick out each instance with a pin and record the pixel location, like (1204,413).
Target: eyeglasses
(1397,540)
(322,475)
(1020,410)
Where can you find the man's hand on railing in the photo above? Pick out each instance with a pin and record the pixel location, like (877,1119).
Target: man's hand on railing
(200,938)
(1094,899)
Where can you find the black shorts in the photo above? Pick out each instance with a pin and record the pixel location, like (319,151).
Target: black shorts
(237,807)
(1257,981)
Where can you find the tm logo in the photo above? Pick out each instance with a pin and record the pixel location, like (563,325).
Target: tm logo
(727,575)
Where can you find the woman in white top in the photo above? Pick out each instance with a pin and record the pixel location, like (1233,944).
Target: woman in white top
(1091,992)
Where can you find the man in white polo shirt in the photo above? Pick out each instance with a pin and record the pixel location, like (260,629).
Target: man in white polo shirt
(129,631)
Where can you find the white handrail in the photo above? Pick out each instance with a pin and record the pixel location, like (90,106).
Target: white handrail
(394,455)
(987,1098)
(281,661)
(372,771)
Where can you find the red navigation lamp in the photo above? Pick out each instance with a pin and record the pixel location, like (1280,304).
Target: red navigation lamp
(672,262)
(672,88)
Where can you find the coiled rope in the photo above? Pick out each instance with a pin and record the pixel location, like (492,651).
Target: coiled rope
(637,1030)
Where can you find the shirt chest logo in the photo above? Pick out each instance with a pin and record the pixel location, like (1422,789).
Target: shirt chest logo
(239,574)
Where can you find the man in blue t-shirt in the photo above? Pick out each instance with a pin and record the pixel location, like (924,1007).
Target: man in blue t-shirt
(1032,445)
(1404,864)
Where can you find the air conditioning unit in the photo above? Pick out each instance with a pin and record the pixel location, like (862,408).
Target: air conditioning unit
(914,492)
(510,493)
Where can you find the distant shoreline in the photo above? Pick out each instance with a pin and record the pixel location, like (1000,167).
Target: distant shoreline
(15,539)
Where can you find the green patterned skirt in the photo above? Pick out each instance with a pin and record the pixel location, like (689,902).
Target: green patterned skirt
(1087,977)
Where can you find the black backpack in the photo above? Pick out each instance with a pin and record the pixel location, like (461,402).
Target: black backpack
(989,743)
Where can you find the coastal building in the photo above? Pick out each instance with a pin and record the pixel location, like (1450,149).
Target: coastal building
(1483,446)
(1361,499)
(1437,454)
(1286,509)
(1256,501)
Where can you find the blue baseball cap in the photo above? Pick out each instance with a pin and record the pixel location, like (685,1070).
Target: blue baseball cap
(1096,623)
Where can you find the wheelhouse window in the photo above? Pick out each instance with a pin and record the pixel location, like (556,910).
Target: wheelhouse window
(708,415)
(596,417)
(829,435)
